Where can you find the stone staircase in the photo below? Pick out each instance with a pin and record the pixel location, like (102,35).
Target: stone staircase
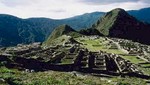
(99,62)
(85,61)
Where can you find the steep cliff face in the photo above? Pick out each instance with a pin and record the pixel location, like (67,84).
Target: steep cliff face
(118,23)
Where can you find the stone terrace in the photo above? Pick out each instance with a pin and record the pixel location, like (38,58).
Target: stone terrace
(70,58)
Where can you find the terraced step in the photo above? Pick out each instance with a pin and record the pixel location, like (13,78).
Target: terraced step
(100,68)
(85,62)
(100,63)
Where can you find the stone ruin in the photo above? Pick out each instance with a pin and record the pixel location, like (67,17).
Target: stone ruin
(106,62)
(134,48)
(73,58)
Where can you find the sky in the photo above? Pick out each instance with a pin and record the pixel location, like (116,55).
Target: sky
(59,9)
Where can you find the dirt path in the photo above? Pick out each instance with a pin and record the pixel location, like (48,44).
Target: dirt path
(119,47)
(125,51)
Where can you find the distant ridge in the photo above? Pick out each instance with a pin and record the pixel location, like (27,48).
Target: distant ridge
(142,14)
(14,30)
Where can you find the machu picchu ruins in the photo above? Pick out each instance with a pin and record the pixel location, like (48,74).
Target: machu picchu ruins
(98,48)
(74,57)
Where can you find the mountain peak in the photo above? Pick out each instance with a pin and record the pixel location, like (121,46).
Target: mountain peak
(118,23)
(110,19)
(117,12)
(60,31)
(64,26)
(64,29)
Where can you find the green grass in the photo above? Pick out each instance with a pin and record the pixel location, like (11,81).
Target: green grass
(133,59)
(93,45)
(143,64)
(98,44)
(66,61)
(16,77)
(115,51)
(146,70)
(129,81)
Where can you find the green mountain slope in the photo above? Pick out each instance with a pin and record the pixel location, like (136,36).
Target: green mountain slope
(60,31)
(14,30)
(105,23)
(118,23)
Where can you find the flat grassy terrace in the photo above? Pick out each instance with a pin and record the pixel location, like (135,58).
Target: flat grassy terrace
(103,45)
(98,44)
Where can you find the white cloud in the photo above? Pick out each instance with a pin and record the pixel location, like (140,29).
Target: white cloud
(98,2)
(61,8)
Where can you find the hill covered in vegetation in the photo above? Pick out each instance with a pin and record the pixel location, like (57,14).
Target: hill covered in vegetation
(118,23)
(14,30)
(59,32)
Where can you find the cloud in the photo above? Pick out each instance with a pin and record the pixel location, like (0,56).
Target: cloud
(13,3)
(97,2)
(146,1)
(58,9)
